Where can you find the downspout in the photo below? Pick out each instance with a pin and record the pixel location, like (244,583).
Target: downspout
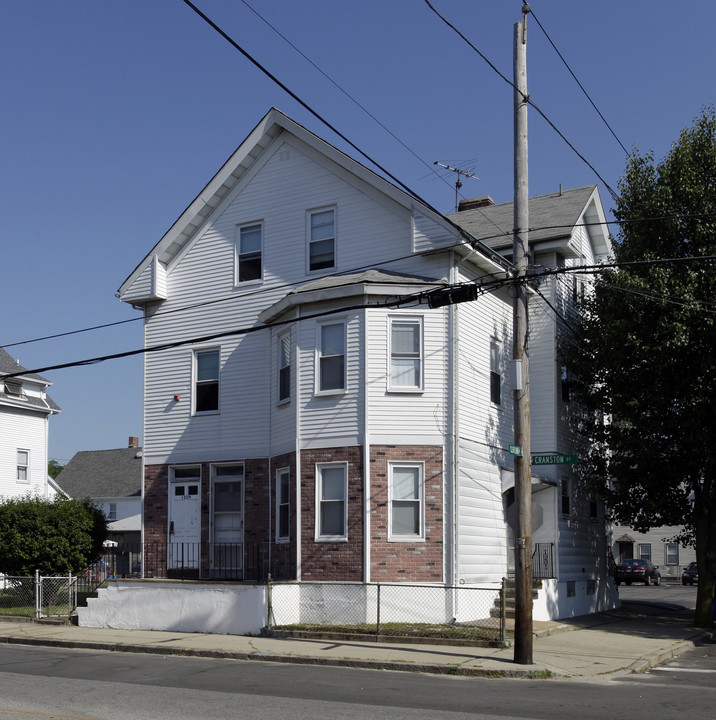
(366,454)
(453,433)
(299,524)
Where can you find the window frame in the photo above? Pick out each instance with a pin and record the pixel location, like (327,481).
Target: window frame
(283,370)
(196,382)
(565,493)
(111,511)
(320,356)
(496,372)
(420,501)
(310,241)
(25,466)
(319,535)
(644,551)
(406,320)
(666,553)
(238,253)
(283,504)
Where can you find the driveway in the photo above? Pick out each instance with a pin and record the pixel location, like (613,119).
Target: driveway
(666,596)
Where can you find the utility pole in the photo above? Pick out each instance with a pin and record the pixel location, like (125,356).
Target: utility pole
(520,249)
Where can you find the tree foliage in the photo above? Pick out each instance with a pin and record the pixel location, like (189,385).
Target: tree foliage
(53,536)
(54,468)
(644,352)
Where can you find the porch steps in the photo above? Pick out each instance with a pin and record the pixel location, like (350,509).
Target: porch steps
(510,597)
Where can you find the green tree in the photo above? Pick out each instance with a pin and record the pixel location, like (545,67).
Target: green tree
(54,468)
(643,352)
(52,536)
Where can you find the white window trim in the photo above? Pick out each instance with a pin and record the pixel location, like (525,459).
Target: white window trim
(319,482)
(421,383)
(420,537)
(27,479)
(319,326)
(237,253)
(496,343)
(279,475)
(194,381)
(309,215)
(111,511)
(279,352)
(666,554)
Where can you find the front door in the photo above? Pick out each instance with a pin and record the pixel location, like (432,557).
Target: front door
(184,549)
(227,521)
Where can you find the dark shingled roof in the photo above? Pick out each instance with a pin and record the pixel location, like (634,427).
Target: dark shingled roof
(103,473)
(8,366)
(553,215)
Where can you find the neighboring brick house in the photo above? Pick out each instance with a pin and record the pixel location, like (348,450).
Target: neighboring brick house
(303,404)
(25,411)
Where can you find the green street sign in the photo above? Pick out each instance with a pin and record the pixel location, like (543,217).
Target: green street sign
(515,450)
(554,459)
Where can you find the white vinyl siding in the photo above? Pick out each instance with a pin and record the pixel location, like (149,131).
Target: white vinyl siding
(25,430)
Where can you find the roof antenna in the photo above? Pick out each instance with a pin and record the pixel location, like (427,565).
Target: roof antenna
(458,182)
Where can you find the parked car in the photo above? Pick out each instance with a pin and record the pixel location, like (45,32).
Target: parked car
(636,570)
(690,575)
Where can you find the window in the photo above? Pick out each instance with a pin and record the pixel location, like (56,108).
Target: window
(248,253)
(672,554)
(284,367)
(283,504)
(332,357)
(23,466)
(496,372)
(593,507)
(206,395)
(406,372)
(331,507)
(13,387)
(406,501)
(322,240)
(112,514)
(645,551)
(566,496)
(565,384)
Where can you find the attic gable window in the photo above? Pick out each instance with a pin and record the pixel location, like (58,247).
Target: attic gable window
(248,253)
(322,240)
(13,388)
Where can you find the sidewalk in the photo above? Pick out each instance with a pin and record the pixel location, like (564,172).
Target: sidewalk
(592,647)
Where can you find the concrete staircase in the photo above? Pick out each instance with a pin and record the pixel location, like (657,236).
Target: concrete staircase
(510,598)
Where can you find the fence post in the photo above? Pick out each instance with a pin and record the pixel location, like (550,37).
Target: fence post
(503,611)
(269,606)
(38,595)
(377,624)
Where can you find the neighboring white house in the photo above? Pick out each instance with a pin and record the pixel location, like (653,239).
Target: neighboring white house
(312,413)
(25,411)
(112,479)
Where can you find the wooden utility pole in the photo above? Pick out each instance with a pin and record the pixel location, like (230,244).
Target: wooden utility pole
(523,484)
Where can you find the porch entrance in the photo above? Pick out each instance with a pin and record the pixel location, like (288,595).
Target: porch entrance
(184,518)
(227,521)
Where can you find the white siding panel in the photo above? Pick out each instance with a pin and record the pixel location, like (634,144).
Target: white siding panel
(22,430)
(427,234)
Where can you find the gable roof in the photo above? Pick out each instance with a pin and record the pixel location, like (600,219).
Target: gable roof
(103,473)
(9,366)
(242,160)
(552,217)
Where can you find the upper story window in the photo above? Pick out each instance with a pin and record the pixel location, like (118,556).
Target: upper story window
(112,513)
(321,240)
(496,372)
(406,501)
(23,466)
(332,357)
(248,253)
(331,504)
(13,388)
(284,367)
(283,504)
(206,381)
(565,384)
(566,496)
(406,354)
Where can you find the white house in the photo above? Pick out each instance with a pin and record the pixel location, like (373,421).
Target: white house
(25,411)
(308,412)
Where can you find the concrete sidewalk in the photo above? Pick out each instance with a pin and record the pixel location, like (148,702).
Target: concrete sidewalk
(591,647)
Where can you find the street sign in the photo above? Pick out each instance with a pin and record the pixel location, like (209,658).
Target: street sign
(554,459)
(515,450)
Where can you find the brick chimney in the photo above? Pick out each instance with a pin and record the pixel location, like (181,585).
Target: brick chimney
(133,442)
(474,203)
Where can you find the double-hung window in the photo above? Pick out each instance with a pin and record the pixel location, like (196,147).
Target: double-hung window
(284,367)
(248,253)
(406,501)
(332,357)
(206,381)
(112,513)
(331,501)
(406,354)
(23,466)
(321,239)
(566,496)
(672,553)
(283,504)
(496,372)
(645,551)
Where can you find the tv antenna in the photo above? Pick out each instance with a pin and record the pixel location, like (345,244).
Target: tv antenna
(458,182)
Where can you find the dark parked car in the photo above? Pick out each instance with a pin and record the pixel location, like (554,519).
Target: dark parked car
(636,570)
(690,575)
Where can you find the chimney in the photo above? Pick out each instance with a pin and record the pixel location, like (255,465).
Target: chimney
(133,442)
(474,203)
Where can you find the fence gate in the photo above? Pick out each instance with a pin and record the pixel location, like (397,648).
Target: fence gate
(55,596)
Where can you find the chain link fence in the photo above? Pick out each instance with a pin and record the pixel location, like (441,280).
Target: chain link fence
(398,610)
(38,596)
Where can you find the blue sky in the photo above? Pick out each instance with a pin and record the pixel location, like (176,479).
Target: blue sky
(116,113)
